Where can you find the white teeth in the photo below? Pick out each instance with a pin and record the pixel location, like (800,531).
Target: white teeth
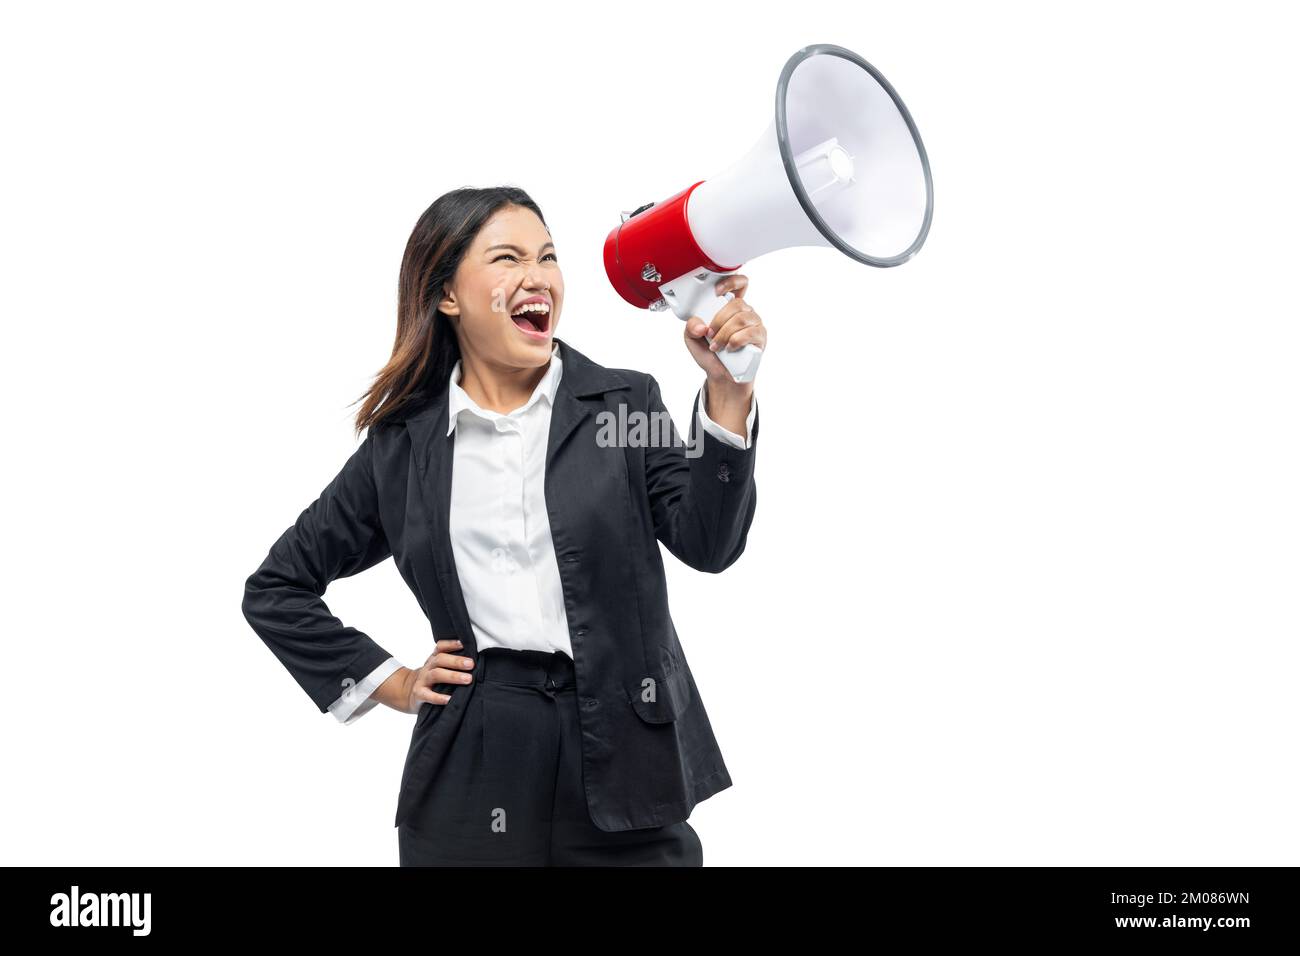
(532,307)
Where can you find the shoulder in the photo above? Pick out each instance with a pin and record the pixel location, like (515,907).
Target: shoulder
(638,380)
(586,375)
(385,432)
(387,443)
(630,384)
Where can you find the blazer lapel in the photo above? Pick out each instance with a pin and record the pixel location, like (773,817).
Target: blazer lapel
(579,395)
(433,452)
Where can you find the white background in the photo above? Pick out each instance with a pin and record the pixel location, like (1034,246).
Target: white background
(1022,583)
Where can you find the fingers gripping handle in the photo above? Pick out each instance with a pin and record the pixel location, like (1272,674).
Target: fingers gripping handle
(693,294)
(742,363)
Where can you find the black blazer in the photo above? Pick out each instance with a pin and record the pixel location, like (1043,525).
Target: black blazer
(648,750)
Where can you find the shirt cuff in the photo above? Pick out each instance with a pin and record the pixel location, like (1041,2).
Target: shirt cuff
(722,434)
(357,699)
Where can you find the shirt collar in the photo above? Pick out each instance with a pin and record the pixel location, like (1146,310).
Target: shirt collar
(458,399)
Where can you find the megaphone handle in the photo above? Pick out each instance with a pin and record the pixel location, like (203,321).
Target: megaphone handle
(692,293)
(742,363)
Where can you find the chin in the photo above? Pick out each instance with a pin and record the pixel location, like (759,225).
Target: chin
(538,348)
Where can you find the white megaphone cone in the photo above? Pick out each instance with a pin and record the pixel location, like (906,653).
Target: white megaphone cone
(840,165)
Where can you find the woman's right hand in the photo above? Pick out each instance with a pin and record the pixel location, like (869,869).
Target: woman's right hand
(444,666)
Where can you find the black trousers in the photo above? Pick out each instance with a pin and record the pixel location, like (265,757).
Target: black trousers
(510,792)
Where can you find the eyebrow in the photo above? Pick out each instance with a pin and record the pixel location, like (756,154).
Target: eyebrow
(506,245)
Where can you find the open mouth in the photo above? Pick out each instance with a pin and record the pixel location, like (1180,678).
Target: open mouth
(533,320)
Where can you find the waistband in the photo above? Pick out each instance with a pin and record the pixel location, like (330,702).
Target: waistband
(503,665)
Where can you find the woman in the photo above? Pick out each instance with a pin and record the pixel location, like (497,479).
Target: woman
(558,722)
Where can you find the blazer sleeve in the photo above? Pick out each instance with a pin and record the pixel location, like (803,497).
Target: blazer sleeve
(702,495)
(337,535)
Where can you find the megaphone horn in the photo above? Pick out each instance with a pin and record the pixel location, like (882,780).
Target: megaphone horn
(841,164)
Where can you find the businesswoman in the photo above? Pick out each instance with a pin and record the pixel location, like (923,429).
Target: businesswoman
(523,491)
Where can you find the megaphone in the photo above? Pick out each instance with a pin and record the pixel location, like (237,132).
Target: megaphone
(840,165)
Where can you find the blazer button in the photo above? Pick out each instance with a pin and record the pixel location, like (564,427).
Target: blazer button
(724,472)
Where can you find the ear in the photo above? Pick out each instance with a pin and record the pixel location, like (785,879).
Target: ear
(448,305)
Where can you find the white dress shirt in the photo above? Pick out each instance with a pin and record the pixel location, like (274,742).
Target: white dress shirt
(499,527)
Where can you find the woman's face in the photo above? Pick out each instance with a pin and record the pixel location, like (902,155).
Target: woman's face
(511,261)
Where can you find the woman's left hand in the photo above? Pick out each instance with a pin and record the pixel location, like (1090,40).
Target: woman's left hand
(735,325)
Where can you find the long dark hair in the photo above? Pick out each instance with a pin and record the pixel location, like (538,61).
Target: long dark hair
(426,348)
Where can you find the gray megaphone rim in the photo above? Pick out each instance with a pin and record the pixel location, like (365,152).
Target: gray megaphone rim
(787,156)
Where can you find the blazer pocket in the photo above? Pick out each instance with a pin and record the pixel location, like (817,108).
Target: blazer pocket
(660,698)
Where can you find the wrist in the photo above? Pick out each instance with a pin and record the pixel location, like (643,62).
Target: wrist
(727,404)
(724,392)
(395,692)
(727,389)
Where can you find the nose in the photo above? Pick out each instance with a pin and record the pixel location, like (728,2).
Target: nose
(533,281)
